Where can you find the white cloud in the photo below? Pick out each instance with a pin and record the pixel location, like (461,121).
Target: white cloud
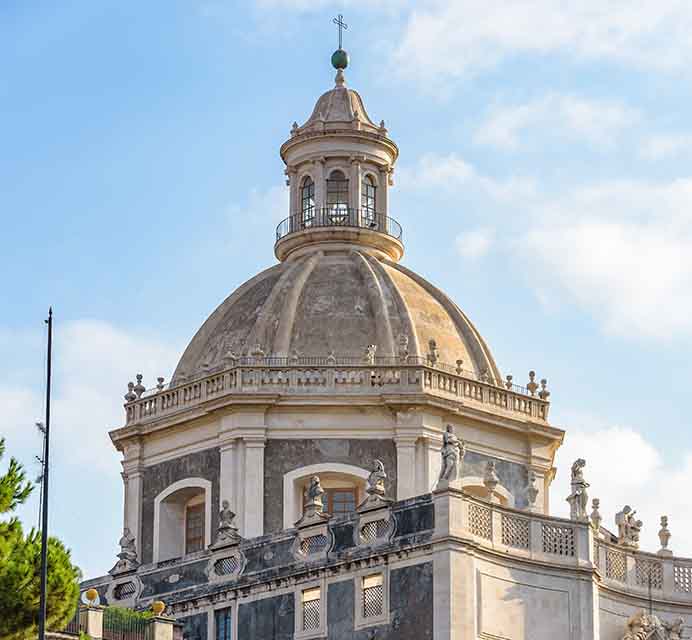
(451,173)
(623,467)
(474,244)
(93,361)
(262,204)
(598,122)
(658,147)
(452,38)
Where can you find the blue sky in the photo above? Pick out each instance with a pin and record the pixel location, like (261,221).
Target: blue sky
(543,182)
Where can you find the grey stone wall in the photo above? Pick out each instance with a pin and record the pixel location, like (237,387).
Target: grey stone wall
(194,627)
(202,464)
(513,477)
(282,456)
(410,606)
(267,619)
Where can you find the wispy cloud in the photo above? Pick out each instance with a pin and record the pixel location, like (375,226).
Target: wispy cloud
(474,244)
(658,147)
(566,117)
(454,38)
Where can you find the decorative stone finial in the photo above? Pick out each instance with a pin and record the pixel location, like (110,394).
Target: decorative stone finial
(403,346)
(433,352)
(460,367)
(295,357)
(331,358)
(628,527)
(544,394)
(227,533)
(485,376)
(579,498)
(531,490)
(294,128)
(159,383)
(532,385)
(596,518)
(139,387)
(370,351)
(453,451)
(258,352)
(127,558)
(230,358)
(664,537)
(130,395)
(91,596)
(158,607)
(509,384)
(491,479)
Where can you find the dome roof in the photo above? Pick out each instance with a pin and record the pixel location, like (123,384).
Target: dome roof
(339,108)
(339,302)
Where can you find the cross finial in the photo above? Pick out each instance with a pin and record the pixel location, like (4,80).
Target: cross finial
(339,21)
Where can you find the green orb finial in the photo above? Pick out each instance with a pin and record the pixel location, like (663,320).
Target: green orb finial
(340,59)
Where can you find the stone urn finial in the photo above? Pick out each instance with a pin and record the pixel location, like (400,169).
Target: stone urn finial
(158,607)
(664,536)
(544,394)
(130,396)
(139,387)
(532,385)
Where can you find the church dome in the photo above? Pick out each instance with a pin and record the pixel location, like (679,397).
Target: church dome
(335,304)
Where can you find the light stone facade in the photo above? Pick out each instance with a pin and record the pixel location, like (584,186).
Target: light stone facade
(314,369)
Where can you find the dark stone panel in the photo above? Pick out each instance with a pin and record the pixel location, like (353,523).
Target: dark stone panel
(414,519)
(267,556)
(202,464)
(343,537)
(282,456)
(267,619)
(194,627)
(513,477)
(411,602)
(340,609)
(185,576)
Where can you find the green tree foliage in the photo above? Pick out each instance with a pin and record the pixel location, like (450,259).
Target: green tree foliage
(20,566)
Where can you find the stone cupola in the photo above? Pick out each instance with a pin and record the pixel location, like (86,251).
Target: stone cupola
(339,165)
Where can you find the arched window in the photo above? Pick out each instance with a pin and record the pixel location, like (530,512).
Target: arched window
(182,519)
(343,484)
(337,198)
(307,202)
(368,201)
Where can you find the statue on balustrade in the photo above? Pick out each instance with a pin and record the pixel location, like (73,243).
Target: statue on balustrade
(579,498)
(629,527)
(453,451)
(227,532)
(127,558)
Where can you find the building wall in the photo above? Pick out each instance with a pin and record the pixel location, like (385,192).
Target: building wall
(282,456)
(513,476)
(201,464)
(267,619)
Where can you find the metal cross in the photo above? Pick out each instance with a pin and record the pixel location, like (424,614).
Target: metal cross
(339,20)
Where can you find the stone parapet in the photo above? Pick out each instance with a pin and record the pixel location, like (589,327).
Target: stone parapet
(276,376)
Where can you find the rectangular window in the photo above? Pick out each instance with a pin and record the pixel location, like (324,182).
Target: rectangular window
(224,628)
(194,528)
(373,595)
(340,501)
(311,608)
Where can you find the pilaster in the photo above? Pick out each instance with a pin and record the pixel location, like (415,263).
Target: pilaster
(405,466)
(132,485)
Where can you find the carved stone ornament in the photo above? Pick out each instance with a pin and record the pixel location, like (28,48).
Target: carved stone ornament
(532,385)
(313,509)
(452,452)
(579,498)
(227,533)
(628,527)
(664,537)
(375,489)
(647,626)
(532,490)
(370,352)
(403,346)
(127,558)
(596,518)
(433,353)
(491,479)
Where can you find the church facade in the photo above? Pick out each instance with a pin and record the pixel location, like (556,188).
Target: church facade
(337,454)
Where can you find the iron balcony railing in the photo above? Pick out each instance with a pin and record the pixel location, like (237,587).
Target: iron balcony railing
(336,216)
